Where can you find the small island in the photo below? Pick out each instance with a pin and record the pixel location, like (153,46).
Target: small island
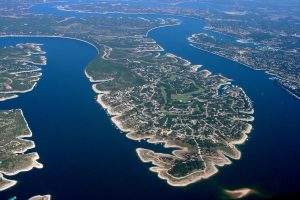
(41,197)
(239,193)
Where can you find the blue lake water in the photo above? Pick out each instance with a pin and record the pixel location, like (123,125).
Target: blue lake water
(86,157)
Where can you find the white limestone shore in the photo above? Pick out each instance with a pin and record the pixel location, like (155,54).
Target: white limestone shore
(195,68)
(240,193)
(211,163)
(35,78)
(51,36)
(34,159)
(209,171)
(6,183)
(162,171)
(41,197)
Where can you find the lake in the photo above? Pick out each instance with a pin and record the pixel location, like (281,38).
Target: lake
(86,157)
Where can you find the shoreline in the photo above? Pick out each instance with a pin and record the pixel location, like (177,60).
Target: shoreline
(195,68)
(211,162)
(113,115)
(239,193)
(41,197)
(52,36)
(137,13)
(162,26)
(186,62)
(242,140)
(15,93)
(212,168)
(7,183)
(34,164)
(33,155)
(247,66)
(9,97)
(294,95)
(174,15)
(211,165)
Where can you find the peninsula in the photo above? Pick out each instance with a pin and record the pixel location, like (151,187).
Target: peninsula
(18,70)
(13,159)
(160,99)
(18,74)
(156,97)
